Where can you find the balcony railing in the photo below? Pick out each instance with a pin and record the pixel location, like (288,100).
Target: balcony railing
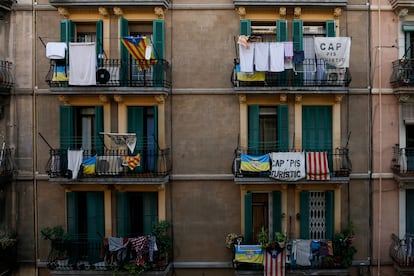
(338,161)
(6,77)
(83,254)
(402,252)
(309,73)
(402,73)
(6,165)
(117,73)
(148,163)
(5,5)
(402,163)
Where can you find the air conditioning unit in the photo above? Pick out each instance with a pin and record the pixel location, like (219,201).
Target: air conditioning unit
(335,76)
(313,30)
(258,30)
(108,165)
(107,74)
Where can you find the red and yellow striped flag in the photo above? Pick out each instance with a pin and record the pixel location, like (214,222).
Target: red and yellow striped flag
(137,47)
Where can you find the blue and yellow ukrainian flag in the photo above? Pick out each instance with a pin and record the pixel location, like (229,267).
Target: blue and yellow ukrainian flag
(89,165)
(251,163)
(249,254)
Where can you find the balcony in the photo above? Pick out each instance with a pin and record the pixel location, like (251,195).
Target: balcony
(402,73)
(311,74)
(75,3)
(6,165)
(6,77)
(147,166)
(5,5)
(402,163)
(272,3)
(92,256)
(337,166)
(401,253)
(114,73)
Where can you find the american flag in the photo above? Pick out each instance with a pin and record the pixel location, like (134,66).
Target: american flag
(274,263)
(317,167)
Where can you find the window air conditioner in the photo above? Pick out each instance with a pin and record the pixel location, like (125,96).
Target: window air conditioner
(335,76)
(105,74)
(108,165)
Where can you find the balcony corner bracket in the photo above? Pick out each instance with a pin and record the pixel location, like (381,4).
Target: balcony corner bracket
(104,98)
(118,11)
(297,12)
(242,12)
(299,187)
(284,186)
(337,13)
(160,99)
(402,13)
(298,98)
(338,98)
(283,98)
(161,187)
(64,99)
(103,11)
(242,99)
(159,12)
(119,188)
(118,98)
(63,12)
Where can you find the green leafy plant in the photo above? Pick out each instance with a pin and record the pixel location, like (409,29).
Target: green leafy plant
(8,239)
(232,239)
(161,231)
(59,241)
(344,250)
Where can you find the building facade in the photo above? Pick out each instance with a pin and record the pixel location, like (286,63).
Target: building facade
(127,113)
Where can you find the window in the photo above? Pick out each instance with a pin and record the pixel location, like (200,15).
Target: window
(317,128)
(80,128)
(135,213)
(262,209)
(143,121)
(268,129)
(316,214)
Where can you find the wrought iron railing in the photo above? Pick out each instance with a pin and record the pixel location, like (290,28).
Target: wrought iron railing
(310,72)
(116,73)
(338,160)
(402,162)
(7,166)
(402,251)
(145,163)
(6,77)
(402,73)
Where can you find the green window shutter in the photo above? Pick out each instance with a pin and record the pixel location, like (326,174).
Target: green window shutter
(66,127)
(304,215)
(99,127)
(124,54)
(409,211)
(123,225)
(150,211)
(277,211)
(99,42)
(329,214)
(254,130)
(297,34)
(248,218)
(95,215)
(135,125)
(67,34)
(281,31)
(158,36)
(283,127)
(245,27)
(72,213)
(317,128)
(330,28)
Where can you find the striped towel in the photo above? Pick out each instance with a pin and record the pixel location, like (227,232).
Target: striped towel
(274,263)
(317,167)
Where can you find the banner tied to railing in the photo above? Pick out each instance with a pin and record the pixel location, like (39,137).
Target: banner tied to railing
(288,166)
(334,51)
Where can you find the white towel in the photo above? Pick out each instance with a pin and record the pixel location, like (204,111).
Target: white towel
(75,158)
(261,56)
(303,252)
(277,57)
(246,58)
(82,63)
(288,48)
(56,50)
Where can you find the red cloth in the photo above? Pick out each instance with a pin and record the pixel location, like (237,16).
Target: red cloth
(317,167)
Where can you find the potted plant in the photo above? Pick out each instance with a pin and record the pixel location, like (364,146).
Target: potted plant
(59,242)
(343,249)
(164,242)
(8,248)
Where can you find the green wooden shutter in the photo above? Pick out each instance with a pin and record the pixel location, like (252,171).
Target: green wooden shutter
(123,219)
(329,214)
(150,211)
(248,218)
(277,211)
(283,127)
(67,34)
(245,27)
(95,215)
(281,31)
(304,215)
(158,37)
(99,127)
(99,42)
(297,37)
(409,211)
(72,213)
(317,128)
(254,130)
(282,36)
(135,125)
(124,54)
(330,28)
(66,127)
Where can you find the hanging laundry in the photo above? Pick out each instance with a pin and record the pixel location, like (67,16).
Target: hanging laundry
(261,56)
(298,56)
(74,162)
(82,61)
(244,41)
(277,57)
(246,59)
(56,50)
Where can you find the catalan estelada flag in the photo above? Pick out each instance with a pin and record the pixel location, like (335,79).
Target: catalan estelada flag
(140,48)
